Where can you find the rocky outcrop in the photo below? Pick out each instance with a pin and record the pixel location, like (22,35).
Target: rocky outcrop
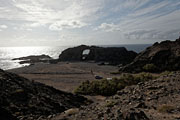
(132,114)
(75,54)
(24,99)
(159,57)
(33,59)
(113,55)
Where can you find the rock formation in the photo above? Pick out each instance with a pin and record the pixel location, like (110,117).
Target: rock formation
(113,55)
(75,54)
(159,57)
(24,99)
(34,59)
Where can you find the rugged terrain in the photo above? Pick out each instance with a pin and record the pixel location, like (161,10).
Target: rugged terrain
(159,57)
(23,99)
(157,99)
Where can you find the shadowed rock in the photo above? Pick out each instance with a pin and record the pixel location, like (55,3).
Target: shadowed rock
(26,99)
(132,114)
(5,115)
(34,59)
(113,55)
(159,57)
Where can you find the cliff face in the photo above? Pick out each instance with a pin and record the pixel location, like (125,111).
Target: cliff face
(112,55)
(164,56)
(24,99)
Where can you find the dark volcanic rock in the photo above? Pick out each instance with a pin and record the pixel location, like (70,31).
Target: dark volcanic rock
(5,115)
(164,56)
(113,55)
(26,99)
(75,54)
(132,114)
(34,59)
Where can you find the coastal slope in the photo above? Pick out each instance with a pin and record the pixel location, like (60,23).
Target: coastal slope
(157,58)
(23,99)
(157,99)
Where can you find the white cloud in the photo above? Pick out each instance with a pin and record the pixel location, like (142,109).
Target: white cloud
(30,26)
(108,27)
(36,24)
(151,34)
(28,29)
(121,21)
(150,8)
(134,3)
(59,25)
(141,34)
(3,26)
(50,12)
(121,5)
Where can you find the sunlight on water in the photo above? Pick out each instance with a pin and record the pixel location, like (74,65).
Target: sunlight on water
(8,53)
(13,52)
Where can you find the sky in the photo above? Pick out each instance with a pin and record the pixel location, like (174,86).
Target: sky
(91,22)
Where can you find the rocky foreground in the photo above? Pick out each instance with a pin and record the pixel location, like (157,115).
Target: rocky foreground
(23,99)
(152,100)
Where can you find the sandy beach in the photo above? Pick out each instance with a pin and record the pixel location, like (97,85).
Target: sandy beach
(64,76)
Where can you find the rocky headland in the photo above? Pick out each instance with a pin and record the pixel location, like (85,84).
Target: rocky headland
(34,59)
(157,58)
(112,55)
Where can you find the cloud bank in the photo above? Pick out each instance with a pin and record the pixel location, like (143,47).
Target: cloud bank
(44,22)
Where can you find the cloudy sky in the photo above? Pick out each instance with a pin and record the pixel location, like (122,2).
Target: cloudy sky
(73,22)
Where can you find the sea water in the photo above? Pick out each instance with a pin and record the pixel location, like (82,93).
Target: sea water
(8,53)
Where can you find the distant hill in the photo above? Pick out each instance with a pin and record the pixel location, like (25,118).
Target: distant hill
(159,57)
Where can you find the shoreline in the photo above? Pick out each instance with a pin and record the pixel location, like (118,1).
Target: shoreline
(11,53)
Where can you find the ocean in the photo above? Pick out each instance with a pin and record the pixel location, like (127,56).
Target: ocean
(8,53)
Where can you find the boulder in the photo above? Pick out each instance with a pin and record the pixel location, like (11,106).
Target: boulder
(159,57)
(112,55)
